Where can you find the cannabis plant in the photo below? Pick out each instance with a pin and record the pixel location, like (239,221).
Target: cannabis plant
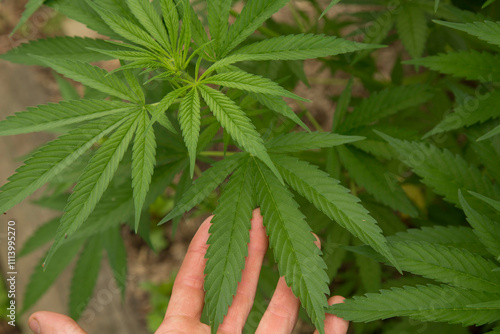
(197,96)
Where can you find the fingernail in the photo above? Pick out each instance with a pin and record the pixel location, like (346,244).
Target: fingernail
(34,326)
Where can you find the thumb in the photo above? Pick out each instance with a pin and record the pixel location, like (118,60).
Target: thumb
(44,322)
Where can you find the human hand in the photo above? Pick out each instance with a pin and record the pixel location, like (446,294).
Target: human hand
(186,303)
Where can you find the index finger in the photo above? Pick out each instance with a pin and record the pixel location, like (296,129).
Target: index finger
(187,293)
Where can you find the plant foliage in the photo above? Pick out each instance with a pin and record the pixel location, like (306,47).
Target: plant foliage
(212,113)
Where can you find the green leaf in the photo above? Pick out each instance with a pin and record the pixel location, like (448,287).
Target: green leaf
(475,110)
(490,134)
(51,160)
(158,110)
(376,33)
(31,7)
(470,64)
(250,83)
(80,10)
(302,141)
(66,89)
(85,277)
(486,4)
(189,119)
(436,5)
(439,169)
(73,48)
(293,246)
(252,16)
(412,28)
(198,32)
(385,103)
(229,236)
(370,272)
(369,173)
(292,47)
(91,76)
(129,55)
(450,236)
(333,200)
(41,280)
(117,203)
(491,202)
(327,9)
(52,115)
(117,256)
(342,106)
(237,124)
(94,181)
(171,18)
(486,152)
(204,185)
(487,31)
(277,104)
(143,163)
(449,265)
(425,303)
(145,12)
(486,229)
(40,237)
(218,17)
(185,36)
(126,28)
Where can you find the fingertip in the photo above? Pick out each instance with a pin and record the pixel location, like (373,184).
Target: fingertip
(335,300)
(44,322)
(334,324)
(318,241)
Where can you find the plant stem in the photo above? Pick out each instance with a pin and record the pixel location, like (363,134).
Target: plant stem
(216,153)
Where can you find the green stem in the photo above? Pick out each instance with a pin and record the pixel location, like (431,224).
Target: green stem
(310,117)
(216,153)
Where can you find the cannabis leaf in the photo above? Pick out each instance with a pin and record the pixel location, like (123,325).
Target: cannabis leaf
(487,31)
(292,47)
(218,17)
(486,106)
(41,280)
(251,17)
(189,119)
(52,158)
(237,124)
(91,76)
(302,141)
(94,181)
(471,65)
(486,230)
(204,185)
(425,303)
(385,103)
(293,245)
(30,8)
(143,162)
(441,170)
(85,277)
(333,200)
(74,48)
(229,235)
(412,28)
(371,174)
(149,18)
(51,116)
